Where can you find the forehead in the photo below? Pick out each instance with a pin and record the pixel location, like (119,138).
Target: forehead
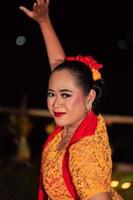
(62,79)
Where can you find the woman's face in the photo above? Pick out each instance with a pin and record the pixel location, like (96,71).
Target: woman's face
(66,101)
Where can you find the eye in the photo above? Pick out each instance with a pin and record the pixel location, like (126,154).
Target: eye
(50,94)
(65,95)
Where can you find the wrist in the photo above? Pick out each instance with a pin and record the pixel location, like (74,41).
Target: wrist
(43,22)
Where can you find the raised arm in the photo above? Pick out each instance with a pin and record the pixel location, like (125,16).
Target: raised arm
(40,13)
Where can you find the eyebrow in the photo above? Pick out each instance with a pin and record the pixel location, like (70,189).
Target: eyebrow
(62,90)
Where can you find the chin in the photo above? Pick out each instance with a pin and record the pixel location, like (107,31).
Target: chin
(60,123)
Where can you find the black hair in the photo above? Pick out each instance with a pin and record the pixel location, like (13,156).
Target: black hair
(84,79)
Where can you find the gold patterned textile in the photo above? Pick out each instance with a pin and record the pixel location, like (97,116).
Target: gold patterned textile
(90,166)
(52,171)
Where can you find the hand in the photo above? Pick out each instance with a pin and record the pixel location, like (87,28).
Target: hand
(39,12)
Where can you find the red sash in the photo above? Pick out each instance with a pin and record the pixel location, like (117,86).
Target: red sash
(86,128)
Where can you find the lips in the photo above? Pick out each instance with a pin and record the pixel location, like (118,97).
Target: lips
(58,114)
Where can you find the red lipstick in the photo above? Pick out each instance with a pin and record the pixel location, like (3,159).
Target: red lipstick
(58,114)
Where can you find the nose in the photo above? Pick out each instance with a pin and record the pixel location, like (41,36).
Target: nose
(56,102)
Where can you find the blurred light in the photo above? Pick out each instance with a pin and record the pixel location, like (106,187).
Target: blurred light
(122,44)
(114,183)
(49,128)
(20,40)
(126,185)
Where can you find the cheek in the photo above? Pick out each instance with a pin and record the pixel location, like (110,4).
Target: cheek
(78,101)
(49,103)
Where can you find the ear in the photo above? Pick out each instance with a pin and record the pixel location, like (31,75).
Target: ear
(91,96)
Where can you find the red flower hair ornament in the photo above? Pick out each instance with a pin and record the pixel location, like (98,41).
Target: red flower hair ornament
(90,62)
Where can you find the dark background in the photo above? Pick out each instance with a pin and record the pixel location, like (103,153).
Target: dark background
(103,29)
(96,28)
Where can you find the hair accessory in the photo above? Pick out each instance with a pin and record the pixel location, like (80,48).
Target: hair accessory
(89,61)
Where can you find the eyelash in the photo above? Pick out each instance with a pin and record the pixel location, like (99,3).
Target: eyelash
(50,94)
(63,95)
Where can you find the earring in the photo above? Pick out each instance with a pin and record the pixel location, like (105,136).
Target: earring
(89,107)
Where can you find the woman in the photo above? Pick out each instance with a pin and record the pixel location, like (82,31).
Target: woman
(76,158)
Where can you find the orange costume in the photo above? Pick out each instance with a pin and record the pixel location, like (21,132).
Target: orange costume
(83,168)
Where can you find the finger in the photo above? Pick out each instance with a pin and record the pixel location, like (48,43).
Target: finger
(34,6)
(26,11)
(47,1)
(39,2)
(43,2)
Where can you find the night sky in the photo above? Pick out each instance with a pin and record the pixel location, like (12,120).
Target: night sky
(101,29)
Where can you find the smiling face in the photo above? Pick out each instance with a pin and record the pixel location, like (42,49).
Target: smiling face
(66,100)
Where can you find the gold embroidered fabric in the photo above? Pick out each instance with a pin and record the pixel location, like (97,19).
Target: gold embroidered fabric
(52,171)
(89,163)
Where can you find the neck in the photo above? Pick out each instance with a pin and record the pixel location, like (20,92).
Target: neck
(70,130)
